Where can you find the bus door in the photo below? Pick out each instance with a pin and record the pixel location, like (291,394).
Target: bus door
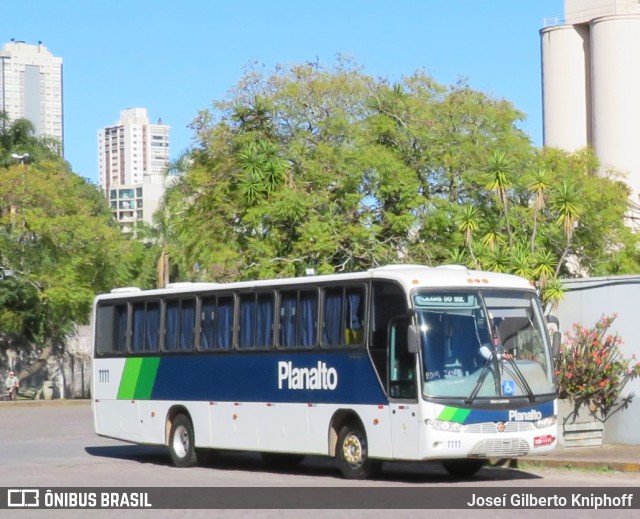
(403,392)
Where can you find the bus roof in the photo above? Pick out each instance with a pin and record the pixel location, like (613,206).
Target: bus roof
(410,276)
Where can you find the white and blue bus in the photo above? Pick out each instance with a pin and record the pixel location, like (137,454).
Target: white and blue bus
(396,363)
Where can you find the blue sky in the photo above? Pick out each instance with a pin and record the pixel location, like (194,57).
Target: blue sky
(174,57)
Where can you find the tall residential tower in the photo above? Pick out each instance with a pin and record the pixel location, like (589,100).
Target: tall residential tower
(133,156)
(31,87)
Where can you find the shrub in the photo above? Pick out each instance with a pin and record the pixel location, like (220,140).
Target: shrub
(592,372)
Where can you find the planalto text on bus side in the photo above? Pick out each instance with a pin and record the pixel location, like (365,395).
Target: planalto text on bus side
(317,377)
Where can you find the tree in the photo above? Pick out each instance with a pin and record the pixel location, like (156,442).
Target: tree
(331,169)
(541,182)
(58,238)
(498,180)
(17,138)
(468,224)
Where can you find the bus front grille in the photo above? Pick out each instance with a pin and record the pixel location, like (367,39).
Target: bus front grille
(493,427)
(500,448)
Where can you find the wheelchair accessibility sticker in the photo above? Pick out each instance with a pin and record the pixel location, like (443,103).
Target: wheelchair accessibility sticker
(508,387)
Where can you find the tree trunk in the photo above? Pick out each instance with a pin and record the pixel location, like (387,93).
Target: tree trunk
(37,366)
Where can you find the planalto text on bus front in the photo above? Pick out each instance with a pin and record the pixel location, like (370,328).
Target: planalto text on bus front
(318,377)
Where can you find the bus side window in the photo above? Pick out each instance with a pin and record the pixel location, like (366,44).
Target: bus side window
(402,364)
(388,300)
(145,327)
(354,331)
(111,328)
(223,337)
(216,323)
(298,319)
(180,322)
(343,312)
(255,329)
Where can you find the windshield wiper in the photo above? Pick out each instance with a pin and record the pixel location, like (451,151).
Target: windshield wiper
(490,356)
(522,381)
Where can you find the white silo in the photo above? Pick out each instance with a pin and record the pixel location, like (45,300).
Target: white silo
(591,83)
(565,86)
(615,58)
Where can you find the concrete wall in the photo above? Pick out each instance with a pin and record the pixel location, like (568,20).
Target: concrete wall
(586,301)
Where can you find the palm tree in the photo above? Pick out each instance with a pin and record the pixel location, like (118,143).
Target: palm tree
(553,293)
(541,182)
(263,169)
(496,260)
(545,264)
(256,117)
(468,224)
(493,238)
(497,179)
(565,203)
(17,138)
(521,262)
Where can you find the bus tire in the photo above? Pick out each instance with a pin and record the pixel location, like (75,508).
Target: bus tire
(352,453)
(182,442)
(463,468)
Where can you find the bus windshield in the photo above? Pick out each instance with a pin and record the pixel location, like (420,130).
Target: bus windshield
(483,344)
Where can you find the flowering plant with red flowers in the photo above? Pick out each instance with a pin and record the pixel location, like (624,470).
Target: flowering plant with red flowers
(591,371)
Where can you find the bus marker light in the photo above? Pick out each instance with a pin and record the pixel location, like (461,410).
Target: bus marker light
(380,407)
(235,416)
(376,421)
(153,414)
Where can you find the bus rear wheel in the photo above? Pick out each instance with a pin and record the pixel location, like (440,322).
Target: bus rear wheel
(352,453)
(182,442)
(463,468)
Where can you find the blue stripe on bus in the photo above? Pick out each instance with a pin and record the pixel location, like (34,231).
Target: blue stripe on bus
(254,377)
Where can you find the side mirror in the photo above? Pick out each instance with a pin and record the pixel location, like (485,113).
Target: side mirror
(413,339)
(555,344)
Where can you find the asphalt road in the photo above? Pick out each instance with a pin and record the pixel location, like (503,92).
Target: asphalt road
(53,445)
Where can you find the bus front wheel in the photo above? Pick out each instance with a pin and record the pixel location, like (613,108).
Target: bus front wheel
(182,442)
(352,453)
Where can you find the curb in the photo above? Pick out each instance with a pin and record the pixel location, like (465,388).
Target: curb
(44,403)
(615,466)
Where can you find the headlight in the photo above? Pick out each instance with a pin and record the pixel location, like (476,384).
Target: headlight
(546,422)
(441,425)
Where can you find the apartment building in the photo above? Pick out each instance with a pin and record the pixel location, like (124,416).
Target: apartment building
(31,87)
(133,155)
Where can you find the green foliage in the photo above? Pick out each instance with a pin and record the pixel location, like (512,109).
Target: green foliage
(58,237)
(592,372)
(332,169)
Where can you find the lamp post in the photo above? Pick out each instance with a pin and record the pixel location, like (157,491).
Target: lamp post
(22,158)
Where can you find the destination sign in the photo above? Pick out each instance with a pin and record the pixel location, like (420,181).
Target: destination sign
(444,299)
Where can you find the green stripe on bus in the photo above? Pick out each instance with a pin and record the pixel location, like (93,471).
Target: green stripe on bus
(129,378)
(146,378)
(454,414)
